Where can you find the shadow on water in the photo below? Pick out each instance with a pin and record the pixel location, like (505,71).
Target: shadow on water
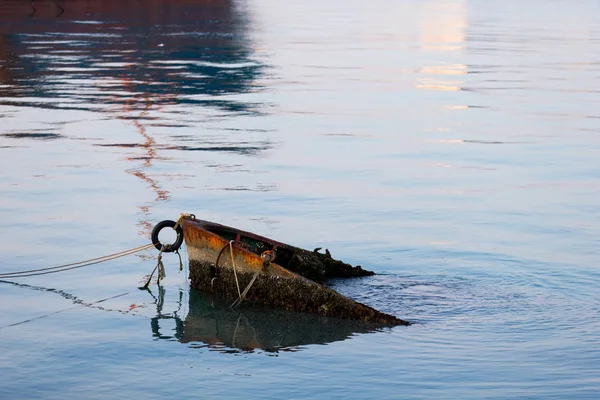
(212,324)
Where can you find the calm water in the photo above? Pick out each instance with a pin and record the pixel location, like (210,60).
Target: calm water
(451,146)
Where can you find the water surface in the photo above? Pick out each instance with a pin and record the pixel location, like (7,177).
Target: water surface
(451,146)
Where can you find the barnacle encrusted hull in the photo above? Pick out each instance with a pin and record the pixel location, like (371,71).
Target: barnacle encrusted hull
(215,249)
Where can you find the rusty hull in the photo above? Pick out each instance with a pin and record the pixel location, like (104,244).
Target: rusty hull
(275,286)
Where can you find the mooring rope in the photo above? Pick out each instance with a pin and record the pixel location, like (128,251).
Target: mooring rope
(246,290)
(182,216)
(241,294)
(234,273)
(67,267)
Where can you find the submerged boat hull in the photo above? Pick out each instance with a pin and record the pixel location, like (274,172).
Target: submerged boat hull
(224,261)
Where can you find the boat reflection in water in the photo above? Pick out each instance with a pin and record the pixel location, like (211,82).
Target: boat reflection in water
(212,324)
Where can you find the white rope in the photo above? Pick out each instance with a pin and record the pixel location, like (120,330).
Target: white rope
(246,290)
(182,216)
(67,267)
(241,295)
(234,272)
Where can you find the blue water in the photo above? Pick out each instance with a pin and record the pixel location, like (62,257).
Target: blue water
(451,146)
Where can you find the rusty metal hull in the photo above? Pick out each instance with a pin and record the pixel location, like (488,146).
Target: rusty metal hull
(274,285)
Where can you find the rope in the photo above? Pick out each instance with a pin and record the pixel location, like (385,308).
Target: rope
(234,273)
(246,290)
(241,294)
(219,256)
(67,267)
(162,274)
(161,271)
(133,250)
(182,216)
(180,262)
(161,268)
(267,257)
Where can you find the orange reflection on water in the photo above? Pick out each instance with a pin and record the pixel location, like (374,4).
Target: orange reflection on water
(431,84)
(444,26)
(441,84)
(442,30)
(148,147)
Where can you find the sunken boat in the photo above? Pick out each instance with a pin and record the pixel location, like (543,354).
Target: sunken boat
(244,267)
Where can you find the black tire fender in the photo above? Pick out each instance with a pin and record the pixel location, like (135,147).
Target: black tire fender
(167,248)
